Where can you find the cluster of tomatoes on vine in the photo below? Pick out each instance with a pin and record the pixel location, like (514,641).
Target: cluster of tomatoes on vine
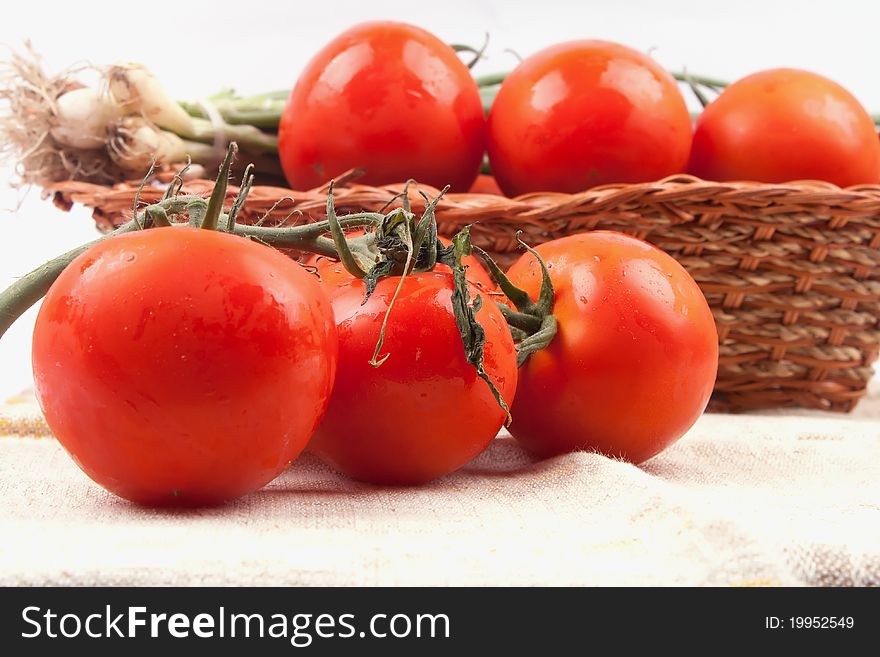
(193,363)
(185,360)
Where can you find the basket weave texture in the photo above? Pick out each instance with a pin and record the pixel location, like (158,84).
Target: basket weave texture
(792,272)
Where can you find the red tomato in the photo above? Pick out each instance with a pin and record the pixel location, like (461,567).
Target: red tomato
(389,98)
(485,185)
(635,358)
(585,113)
(332,273)
(160,357)
(424,412)
(782,125)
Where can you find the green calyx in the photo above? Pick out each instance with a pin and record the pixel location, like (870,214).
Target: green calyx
(398,244)
(473,336)
(532,324)
(403,244)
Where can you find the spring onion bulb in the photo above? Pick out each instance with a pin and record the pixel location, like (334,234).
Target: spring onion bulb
(82,118)
(138,91)
(135,143)
(106,124)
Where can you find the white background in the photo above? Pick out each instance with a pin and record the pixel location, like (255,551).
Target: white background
(197,48)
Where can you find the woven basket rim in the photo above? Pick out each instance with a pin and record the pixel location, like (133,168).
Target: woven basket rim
(822,192)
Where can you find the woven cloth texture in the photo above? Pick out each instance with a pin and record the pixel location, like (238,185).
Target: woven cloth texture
(741,500)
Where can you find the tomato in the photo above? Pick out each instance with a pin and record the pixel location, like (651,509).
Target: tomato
(389,98)
(782,125)
(164,361)
(485,185)
(424,412)
(585,113)
(634,360)
(332,273)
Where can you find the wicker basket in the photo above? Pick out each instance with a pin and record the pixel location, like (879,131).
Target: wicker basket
(790,271)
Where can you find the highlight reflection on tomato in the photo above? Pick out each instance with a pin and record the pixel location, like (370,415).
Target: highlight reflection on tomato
(391,99)
(585,113)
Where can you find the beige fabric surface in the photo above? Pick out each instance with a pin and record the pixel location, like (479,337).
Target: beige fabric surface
(741,500)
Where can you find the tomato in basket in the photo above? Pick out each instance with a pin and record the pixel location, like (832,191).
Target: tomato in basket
(485,184)
(633,363)
(786,124)
(586,113)
(391,99)
(424,411)
(183,366)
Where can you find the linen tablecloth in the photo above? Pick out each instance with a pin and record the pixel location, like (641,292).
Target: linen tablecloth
(772,499)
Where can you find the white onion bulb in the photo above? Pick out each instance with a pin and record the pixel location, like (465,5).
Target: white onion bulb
(82,118)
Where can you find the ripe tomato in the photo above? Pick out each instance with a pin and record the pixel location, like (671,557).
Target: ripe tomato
(389,98)
(782,125)
(160,357)
(585,113)
(424,412)
(634,360)
(332,273)
(485,185)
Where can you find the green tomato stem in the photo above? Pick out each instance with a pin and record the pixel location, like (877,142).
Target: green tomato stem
(712,83)
(348,259)
(376,360)
(532,324)
(30,288)
(473,336)
(211,218)
(525,322)
(491,79)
